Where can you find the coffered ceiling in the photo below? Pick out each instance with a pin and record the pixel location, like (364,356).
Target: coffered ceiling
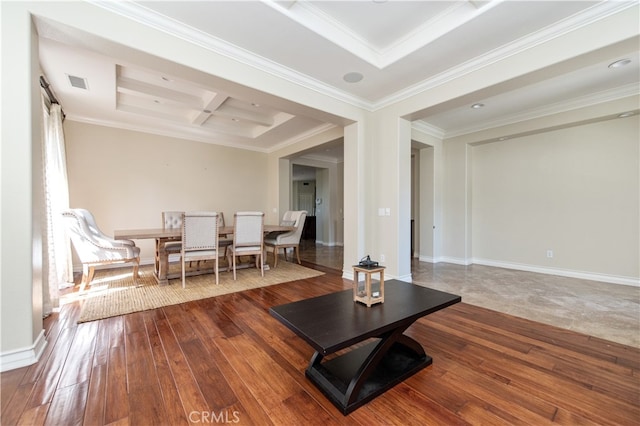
(366,53)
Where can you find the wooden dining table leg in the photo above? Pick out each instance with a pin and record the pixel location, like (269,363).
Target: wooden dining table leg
(162,262)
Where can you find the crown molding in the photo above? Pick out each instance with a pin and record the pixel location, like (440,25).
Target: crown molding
(587,17)
(557,108)
(316,157)
(152,19)
(149,18)
(428,129)
(303,136)
(177,133)
(323,24)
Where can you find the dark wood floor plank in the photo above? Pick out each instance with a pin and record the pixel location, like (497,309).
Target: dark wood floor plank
(116,331)
(483,317)
(116,400)
(32,416)
(48,381)
(269,382)
(190,394)
(175,414)
(77,366)
(55,325)
(17,404)
(101,352)
(301,409)
(562,338)
(213,385)
(212,321)
(140,365)
(146,406)
(67,406)
(402,401)
(95,407)
(502,400)
(253,411)
(563,393)
(9,385)
(180,325)
(225,359)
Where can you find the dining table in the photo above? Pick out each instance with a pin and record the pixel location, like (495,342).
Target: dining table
(163,236)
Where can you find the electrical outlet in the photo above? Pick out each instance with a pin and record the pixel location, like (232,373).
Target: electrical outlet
(549,254)
(382,258)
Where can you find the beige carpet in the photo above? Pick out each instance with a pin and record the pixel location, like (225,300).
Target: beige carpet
(113,291)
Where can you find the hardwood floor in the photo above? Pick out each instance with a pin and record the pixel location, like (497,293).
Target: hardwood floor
(226,360)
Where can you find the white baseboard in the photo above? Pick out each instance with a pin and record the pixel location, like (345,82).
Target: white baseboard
(592,276)
(23,357)
(455,260)
(612,279)
(333,244)
(408,278)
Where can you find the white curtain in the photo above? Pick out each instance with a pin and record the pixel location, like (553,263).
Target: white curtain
(57,250)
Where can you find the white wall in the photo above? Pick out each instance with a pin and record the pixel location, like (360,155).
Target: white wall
(128,178)
(21,205)
(424,246)
(574,191)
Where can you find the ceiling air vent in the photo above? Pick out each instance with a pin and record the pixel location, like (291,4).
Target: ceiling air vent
(79,82)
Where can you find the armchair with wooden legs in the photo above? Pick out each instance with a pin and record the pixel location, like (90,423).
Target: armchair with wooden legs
(289,239)
(95,248)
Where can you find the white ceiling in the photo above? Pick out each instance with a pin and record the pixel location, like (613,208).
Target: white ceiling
(399,47)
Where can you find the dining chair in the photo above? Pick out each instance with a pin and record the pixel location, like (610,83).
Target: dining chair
(172,220)
(96,249)
(289,239)
(199,240)
(248,239)
(223,240)
(285,221)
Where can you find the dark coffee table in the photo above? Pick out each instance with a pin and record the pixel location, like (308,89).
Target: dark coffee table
(333,322)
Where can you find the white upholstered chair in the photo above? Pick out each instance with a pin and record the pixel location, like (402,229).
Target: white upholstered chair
(95,248)
(289,239)
(95,230)
(248,239)
(172,220)
(199,239)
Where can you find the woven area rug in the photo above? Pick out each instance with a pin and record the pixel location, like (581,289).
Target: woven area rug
(113,291)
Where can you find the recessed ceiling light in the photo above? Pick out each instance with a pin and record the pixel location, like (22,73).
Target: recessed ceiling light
(255,104)
(626,114)
(206,111)
(620,63)
(235,119)
(477,106)
(166,78)
(352,77)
